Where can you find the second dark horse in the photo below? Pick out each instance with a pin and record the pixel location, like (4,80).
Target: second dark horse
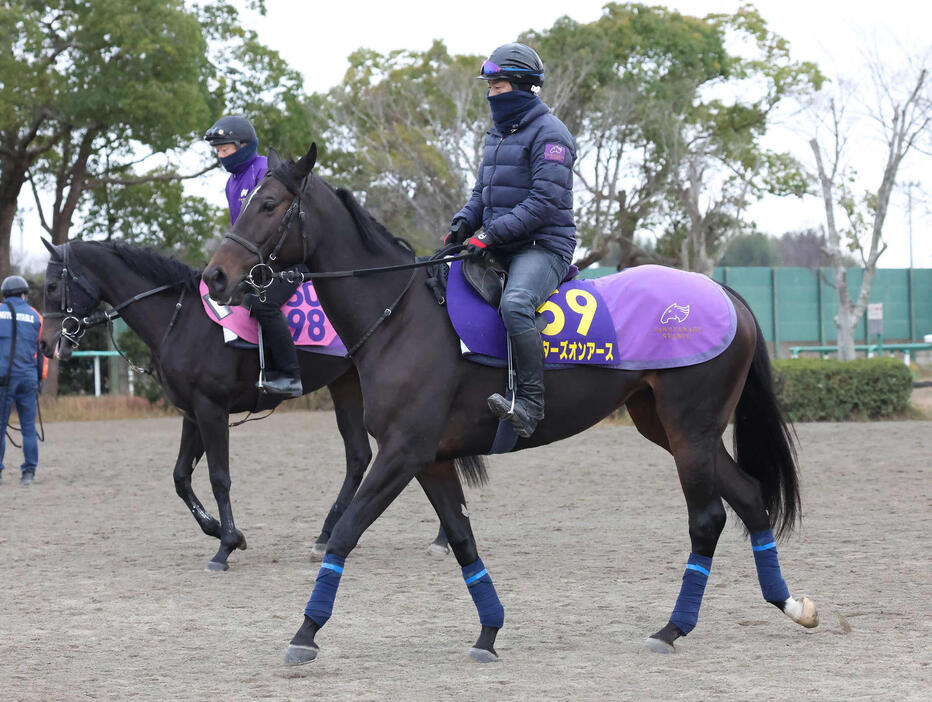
(201,376)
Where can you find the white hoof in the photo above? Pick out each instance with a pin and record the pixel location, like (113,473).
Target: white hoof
(480,655)
(658,646)
(802,611)
(318,551)
(438,550)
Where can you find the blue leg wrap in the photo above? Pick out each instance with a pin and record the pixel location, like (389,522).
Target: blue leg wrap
(686,611)
(479,582)
(772,584)
(320,606)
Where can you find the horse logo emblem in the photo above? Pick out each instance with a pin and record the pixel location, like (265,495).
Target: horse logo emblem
(675,312)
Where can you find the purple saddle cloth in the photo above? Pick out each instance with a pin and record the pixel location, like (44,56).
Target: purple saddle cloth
(642,318)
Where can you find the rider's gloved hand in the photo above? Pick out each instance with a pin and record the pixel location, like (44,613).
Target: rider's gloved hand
(478,244)
(459,230)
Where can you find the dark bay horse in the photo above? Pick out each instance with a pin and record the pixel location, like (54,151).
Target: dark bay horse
(425,404)
(201,376)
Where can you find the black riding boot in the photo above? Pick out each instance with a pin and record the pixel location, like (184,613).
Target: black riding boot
(282,372)
(529,398)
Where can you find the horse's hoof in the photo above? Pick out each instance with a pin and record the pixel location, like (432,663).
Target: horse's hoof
(480,655)
(242,542)
(810,616)
(318,551)
(299,655)
(215,567)
(436,549)
(658,646)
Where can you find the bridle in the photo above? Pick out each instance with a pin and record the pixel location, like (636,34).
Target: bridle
(269,274)
(260,276)
(77,324)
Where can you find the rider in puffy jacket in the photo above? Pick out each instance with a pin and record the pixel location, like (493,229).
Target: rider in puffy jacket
(235,141)
(523,200)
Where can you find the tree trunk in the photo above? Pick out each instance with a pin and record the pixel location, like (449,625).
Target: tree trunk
(845,320)
(12,178)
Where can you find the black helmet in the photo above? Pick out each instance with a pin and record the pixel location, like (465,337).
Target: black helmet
(14,285)
(231,129)
(517,63)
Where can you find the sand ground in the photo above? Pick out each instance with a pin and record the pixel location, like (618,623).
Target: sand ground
(103,595)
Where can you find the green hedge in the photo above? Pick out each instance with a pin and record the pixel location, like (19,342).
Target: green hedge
(813,390)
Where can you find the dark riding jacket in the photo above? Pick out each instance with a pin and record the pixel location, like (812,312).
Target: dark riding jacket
(524,191)
(26,359)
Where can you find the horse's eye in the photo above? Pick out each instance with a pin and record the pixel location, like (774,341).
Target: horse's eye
(268,206)
(51,287)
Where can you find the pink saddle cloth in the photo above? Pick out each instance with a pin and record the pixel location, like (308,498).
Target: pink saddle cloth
(310,328)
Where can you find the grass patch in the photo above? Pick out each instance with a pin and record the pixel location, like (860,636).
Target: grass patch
(86,408)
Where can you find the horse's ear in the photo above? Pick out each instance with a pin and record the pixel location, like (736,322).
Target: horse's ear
(274,160)
(52,248)
(306,163)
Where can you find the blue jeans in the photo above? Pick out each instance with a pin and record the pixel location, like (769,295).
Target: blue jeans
(23,390)
(533,274)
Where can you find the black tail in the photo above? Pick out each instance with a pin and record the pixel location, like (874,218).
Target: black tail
(764,446)
(472,470)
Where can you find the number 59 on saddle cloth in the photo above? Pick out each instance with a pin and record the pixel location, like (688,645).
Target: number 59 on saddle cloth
(647,317)
(310,328)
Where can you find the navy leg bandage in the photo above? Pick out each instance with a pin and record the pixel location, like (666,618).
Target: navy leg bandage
(320,606)
(686,611)
(479,582)
(772,584)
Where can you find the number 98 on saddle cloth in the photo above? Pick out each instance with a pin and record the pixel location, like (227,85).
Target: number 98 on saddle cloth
(310,328)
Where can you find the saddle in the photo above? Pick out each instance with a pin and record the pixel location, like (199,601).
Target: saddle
(485,274)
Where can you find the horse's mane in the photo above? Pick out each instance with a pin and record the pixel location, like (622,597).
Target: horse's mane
(154,265)
(373,233)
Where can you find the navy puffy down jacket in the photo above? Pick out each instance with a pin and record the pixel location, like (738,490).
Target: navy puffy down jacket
(524,192)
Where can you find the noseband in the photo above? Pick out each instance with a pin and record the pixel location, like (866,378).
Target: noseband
(261,275)
(73,327)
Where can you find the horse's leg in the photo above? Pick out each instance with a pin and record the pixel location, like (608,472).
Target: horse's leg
(392,470)
(440,546)
(348,406)
(189,453)
(213,421)
(743,492)
(443,489)
(693,410)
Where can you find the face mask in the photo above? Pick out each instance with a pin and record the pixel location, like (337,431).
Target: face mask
(240,156)
(509,108)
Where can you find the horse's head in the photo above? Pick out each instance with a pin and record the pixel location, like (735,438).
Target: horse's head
(70,295)
(269,232)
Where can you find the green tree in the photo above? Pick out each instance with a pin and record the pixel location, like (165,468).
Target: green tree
(406,130)
(93,93)
(642,90)
(754,249)
(86,78)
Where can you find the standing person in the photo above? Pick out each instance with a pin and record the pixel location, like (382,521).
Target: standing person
(236,144)
(22,368)
(523,199)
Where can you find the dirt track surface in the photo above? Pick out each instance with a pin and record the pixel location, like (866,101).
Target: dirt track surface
(103,595)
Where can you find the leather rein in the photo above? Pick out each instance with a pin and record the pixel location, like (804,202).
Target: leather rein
(268,274)
(74,327)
